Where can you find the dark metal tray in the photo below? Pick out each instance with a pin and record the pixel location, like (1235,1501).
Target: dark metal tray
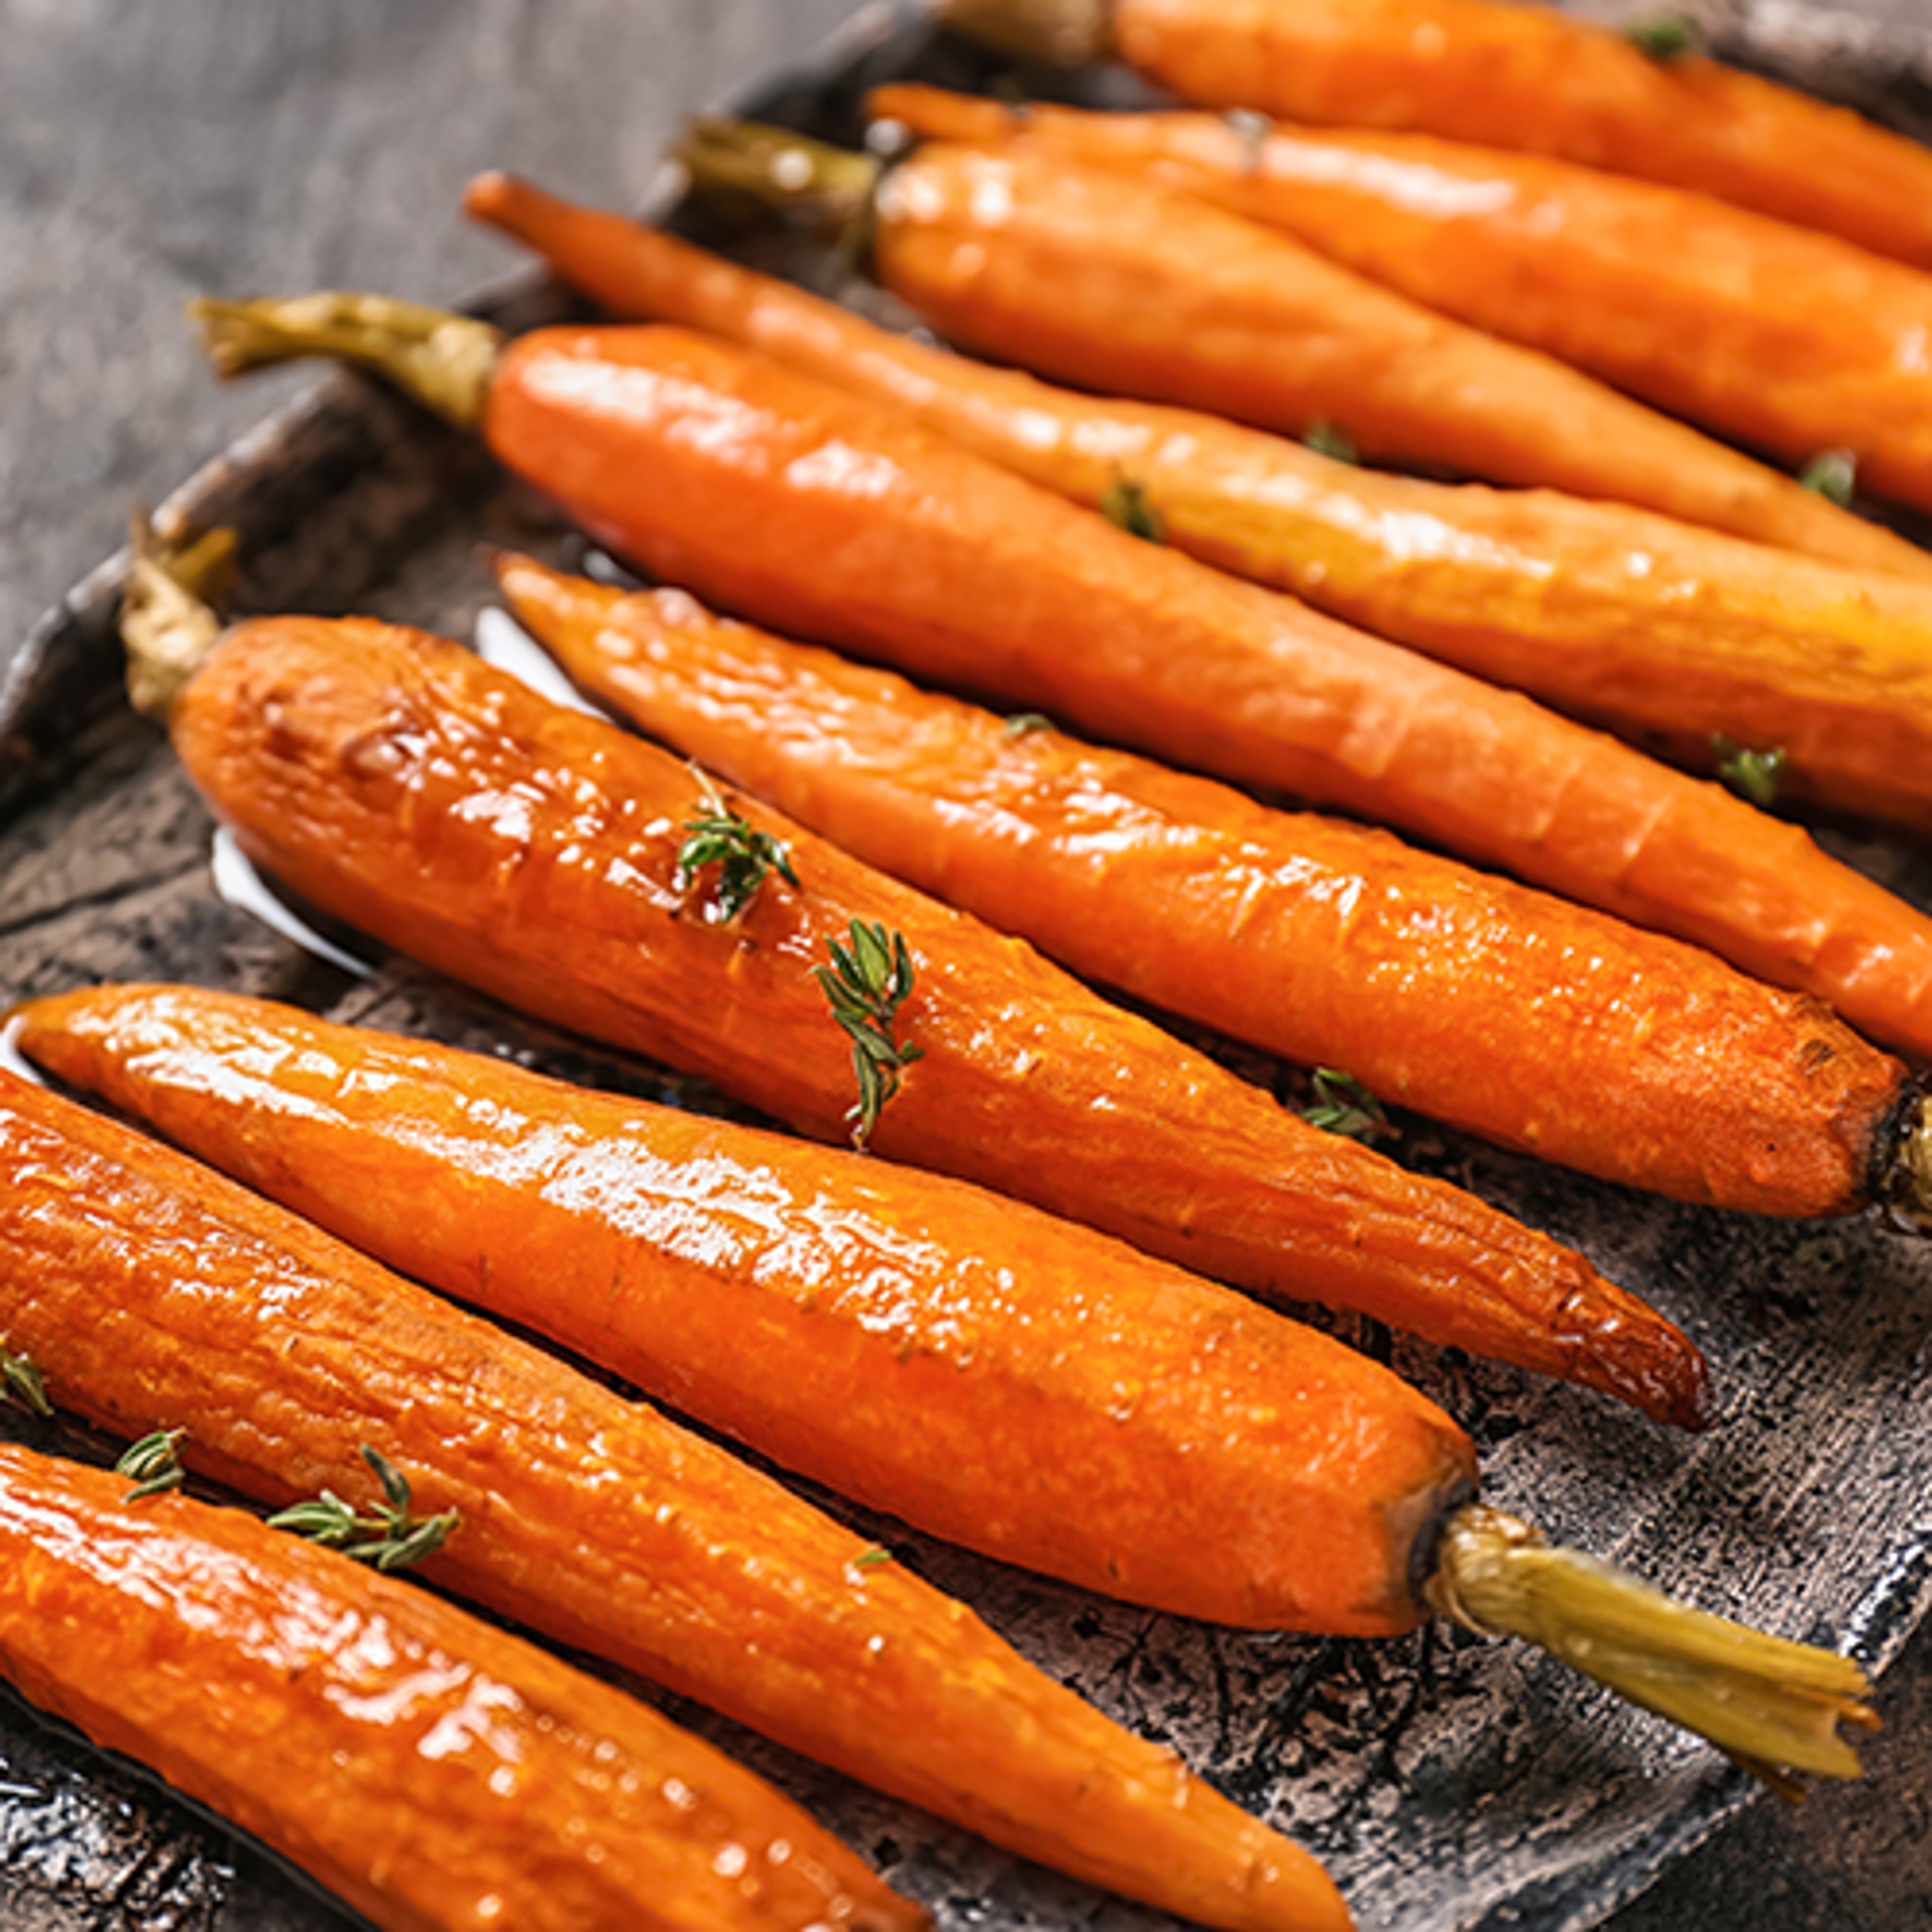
(1448,1783)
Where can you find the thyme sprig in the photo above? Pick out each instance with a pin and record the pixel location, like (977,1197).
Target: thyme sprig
(1665,37)
(1343,1105)
(1125,505)
(716,836)
(1025,724)
(866,984)
(1832,474)
(1331,440)
(20,1381)
(389,1537)
(153,1464)
(1751,775)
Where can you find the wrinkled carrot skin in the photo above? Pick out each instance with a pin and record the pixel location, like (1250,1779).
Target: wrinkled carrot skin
(434,1771)
(1793,341)
(350,759)
(1082,1411)
(152,1292)
(1530,77)
(822,516)
(1550,1028)
(1155,294)
(1654,628)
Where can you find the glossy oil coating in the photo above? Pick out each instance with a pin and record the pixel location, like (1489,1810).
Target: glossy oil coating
(827,517)
(1082,1410)
(152,1292)
(1533,78)
(412,791)
(438,1774)
(1655,629)
(1554,1030)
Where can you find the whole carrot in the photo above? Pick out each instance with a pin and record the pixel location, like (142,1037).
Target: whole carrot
(1789,340)
(542,856)
(1517,76)
(1674,635)
(150,1293)
(470,1778)
(824,516)
(1552,1029)
(1109,281)
(144,1290)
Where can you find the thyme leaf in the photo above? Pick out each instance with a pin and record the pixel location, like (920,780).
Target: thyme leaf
(1665,38)
(716,836)
(1024,723)
(866,984)
(390,1537)
(871,1559)
(1751,775)
(20,1381)
(1343,1105)
(1126,506)
(1833,474)
(153,1464)
(1331,440)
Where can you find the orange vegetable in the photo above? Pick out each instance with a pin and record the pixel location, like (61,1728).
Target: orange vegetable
(1793,341)
(432,1771)
(151,1293)
(1672,634)
(1518,75)
(1552,1029)
(537,856)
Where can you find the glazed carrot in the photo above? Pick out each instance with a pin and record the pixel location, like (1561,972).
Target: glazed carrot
(823,516)
(430,1769)
(1551,1029)
(151,1292)
(141,1287)
(1657,629)
(564,898)
(1115,284)
(1518,75)
(1791,341)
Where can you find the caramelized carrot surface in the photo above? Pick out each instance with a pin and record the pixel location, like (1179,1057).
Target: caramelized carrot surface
(430,1769)
(1082,1410)
(1662,632)
(821,515)
(152,1292)
(398,782)
(1789,340)
(1552,1029)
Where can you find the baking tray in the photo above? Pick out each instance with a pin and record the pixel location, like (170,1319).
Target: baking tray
(1449,1783)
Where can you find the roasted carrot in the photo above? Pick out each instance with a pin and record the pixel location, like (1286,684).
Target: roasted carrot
(1518,75)
(538,857)
(470,1778)
(1662,632)
(827,516)
(145,1290)
(1116,284)
(151,1292)
(1550,1028)
(1791,341)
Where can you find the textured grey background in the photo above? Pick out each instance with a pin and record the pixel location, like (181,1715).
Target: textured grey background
(152,149)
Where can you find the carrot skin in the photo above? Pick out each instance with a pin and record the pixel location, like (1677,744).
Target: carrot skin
(1553,1029)
(1532,78)
(1083,1410)
(1661,631)
(154,1293)
(821,516)
(320,743)
(1791,341)
(432,1771)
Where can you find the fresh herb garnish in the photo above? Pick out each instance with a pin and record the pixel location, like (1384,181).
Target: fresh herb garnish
(1331,440)
(1833,474)
(1343,1105)
(1751,775)
(718,836)
(1665,37)
(871,1559)
(867,983)
(20,1381)
(153,1464)
(1126,506)
(1024,723)
(390,1537)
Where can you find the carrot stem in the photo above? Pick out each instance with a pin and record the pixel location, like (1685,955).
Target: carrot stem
(1059,33)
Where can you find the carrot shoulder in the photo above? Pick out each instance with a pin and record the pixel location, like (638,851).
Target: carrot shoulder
(1552,1029)
(1657,629)
(152,1293)
(469,1776)
(538,856)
